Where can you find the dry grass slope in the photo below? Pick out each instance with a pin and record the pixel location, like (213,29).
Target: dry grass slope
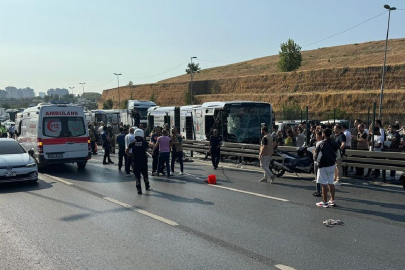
(348,77)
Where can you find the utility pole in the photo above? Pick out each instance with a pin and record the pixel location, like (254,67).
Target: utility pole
(119,95)
(83,83)
(385,59)
(191,82)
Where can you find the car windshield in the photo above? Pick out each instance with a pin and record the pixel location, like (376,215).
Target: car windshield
(10,147)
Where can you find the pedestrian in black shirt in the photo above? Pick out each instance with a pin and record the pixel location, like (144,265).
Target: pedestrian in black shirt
(139,159)
(326,154)
(215,148)
(394,147)
(340,138)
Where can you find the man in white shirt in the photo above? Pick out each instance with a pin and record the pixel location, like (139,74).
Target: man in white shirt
(130,137)
(378,124)
(348,136)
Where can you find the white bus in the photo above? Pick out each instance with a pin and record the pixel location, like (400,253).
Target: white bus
(56,133)
(236,121)
(137,111)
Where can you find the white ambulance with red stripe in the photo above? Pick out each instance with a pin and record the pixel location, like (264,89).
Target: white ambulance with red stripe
(57,133)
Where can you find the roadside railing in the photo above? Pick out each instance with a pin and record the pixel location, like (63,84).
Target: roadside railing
(356,158)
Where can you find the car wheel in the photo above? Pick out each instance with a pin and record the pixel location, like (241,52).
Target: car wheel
(81,165)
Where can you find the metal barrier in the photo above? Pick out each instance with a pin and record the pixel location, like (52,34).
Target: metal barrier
(356,158)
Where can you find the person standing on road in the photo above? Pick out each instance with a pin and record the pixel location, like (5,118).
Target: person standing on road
(92,135)
(139,159)
(394,147)
(121,148)
(318,192)
(155,151)
(215,148)
(266,151)
(128,139)
(11,130)
(106,146)
(163,144)
(3,131)
(177,150)
(340,138)
(325,154)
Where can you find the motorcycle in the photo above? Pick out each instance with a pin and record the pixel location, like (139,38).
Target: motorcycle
(303,162)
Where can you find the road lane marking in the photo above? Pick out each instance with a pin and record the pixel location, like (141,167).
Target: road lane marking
(251,193)
(142,212)
(58,179)
(284,267)
(128,206)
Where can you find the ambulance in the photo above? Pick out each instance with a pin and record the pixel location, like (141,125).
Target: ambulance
(57,134)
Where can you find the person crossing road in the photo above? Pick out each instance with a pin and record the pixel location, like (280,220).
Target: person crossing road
(139,159)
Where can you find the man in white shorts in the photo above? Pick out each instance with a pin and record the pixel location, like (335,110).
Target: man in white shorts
(325,155)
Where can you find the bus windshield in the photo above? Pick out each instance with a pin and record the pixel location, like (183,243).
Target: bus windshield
(244,122)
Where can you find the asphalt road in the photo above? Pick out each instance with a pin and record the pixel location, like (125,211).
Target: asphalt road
(94,219)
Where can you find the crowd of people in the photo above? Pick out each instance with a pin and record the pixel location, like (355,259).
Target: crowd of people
(330,143)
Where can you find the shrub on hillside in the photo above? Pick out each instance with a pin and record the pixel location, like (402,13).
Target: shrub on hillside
(290,56)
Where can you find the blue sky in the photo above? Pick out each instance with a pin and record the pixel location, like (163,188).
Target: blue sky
(58,43)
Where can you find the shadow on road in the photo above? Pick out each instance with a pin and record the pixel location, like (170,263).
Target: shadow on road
(23,186)
(176,198)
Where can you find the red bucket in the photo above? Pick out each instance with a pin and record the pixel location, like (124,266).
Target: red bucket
(212,179)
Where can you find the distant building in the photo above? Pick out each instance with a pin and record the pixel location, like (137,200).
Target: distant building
(42,94)
(13,92)
(58,91)
(3,94)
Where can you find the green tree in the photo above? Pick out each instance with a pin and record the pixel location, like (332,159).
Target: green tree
(290,56)
(193,67)
(187,97)
(124,105)
(6,106)
(153,98)
(47,99)
(108,104)
(130,83)
(92,96)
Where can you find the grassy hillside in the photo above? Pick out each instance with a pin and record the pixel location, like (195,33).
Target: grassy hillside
(353,55)
(346,77)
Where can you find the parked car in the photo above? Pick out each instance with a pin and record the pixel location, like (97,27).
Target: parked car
(15,163)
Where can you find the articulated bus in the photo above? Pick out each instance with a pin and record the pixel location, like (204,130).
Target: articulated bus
(236,121)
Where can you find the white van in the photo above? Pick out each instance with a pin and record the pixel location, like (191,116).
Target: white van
(56,133)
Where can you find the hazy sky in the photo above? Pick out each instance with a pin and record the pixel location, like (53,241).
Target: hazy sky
(58,43)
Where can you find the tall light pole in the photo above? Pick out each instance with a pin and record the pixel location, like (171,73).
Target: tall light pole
(191,82)
(83,83)
(385,59)
(71,89)
(119,95)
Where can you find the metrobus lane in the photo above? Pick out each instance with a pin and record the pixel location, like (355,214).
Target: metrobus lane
(288,230)
(51,225)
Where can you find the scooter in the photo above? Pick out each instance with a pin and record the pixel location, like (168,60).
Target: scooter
(303,162)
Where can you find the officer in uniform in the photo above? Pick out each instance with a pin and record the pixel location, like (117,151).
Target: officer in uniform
(139,159)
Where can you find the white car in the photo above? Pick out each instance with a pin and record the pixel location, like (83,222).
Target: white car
(15,163)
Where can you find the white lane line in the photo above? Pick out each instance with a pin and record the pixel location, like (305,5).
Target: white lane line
(251,193)
(284,267)
(58,179)
(162,219)
(142,212)
(242,191)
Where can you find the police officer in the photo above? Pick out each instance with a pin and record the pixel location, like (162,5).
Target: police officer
(121,148)
(139,159)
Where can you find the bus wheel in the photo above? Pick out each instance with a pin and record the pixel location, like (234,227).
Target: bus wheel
(81,165)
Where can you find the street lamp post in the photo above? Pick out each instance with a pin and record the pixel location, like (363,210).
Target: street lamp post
(83,83)
(119,95)
(385,58)
(191,82)
(71,89)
